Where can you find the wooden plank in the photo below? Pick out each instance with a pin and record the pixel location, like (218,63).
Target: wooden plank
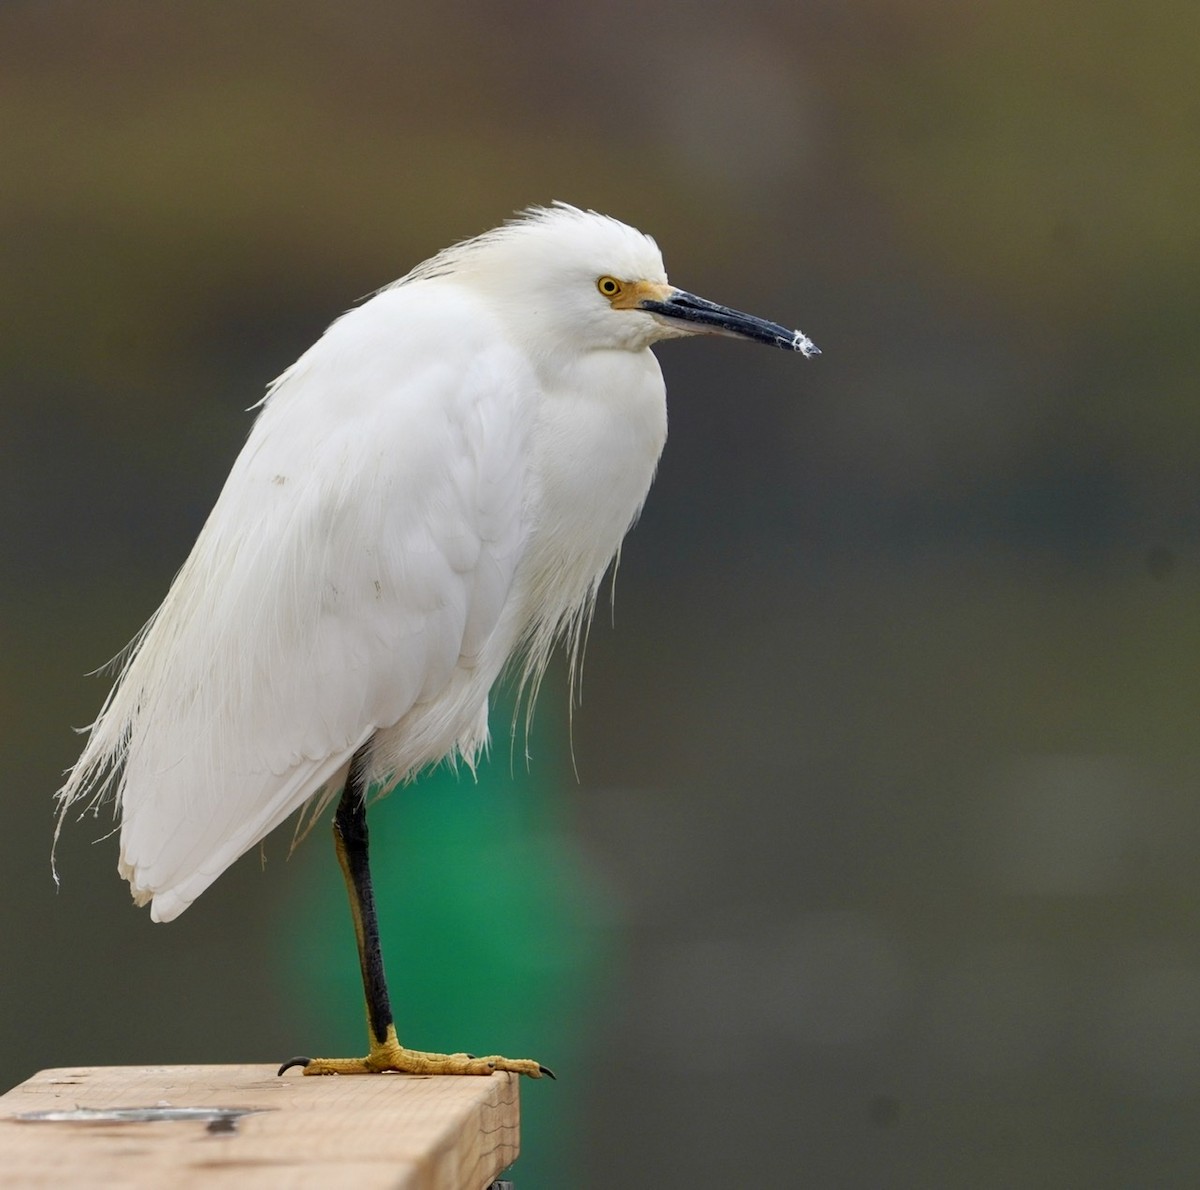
(394,1130)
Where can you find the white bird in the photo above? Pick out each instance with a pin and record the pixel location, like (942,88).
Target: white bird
(436,487)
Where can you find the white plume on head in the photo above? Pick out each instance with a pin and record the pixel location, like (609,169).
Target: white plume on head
(555,234)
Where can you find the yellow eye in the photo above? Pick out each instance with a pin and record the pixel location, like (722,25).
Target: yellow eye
(609,286)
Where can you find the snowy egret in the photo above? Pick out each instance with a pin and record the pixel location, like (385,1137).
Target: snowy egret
(436,486)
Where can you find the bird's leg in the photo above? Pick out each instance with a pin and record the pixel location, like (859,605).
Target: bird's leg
(351,841)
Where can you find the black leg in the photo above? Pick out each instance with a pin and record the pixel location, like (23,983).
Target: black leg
(351,840)
(386,1053)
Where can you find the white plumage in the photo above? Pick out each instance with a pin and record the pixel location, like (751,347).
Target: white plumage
(438,484)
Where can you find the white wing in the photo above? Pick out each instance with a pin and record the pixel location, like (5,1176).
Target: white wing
(356,563)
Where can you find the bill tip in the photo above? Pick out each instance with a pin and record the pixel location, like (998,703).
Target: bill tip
(803,344)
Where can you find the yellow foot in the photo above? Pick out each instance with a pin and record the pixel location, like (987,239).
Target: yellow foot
(391,1055)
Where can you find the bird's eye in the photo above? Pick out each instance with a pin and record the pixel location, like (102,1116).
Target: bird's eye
(609,286)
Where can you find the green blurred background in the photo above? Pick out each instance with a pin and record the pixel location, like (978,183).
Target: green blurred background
(880,868)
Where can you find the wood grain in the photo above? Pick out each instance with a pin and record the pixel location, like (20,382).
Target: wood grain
(398,1131)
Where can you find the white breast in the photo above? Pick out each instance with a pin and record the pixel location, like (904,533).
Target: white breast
(593,451)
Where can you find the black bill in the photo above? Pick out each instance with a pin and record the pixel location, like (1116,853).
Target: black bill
(692,313)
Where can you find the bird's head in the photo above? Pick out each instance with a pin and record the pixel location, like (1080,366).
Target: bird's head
(592,282)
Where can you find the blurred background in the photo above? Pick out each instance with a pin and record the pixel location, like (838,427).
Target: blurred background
(880,863)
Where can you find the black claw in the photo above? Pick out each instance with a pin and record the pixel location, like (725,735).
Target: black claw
(290,1063)
(471,1056)
(548,1072)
